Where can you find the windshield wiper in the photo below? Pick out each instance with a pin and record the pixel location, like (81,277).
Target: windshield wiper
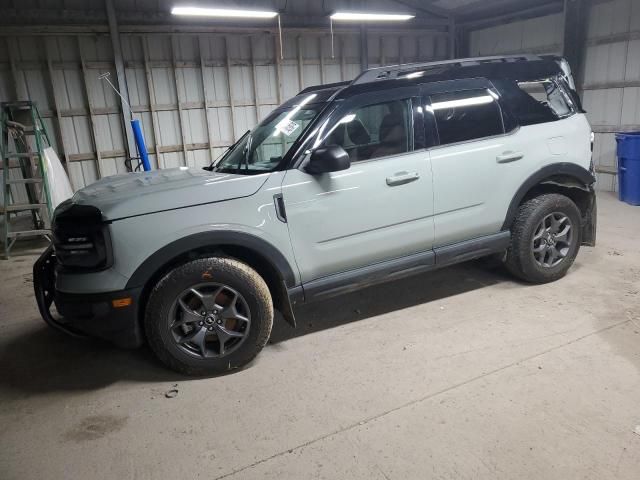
(213,164)
(245,154)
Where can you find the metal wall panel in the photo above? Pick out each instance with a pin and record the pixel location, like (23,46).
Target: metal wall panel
(612,80)
(611,77)
(536,35)
(194,94)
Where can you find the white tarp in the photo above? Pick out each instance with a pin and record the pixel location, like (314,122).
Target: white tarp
(56,178)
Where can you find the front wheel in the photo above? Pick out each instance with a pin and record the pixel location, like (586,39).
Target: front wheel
(208,316)
(545,238)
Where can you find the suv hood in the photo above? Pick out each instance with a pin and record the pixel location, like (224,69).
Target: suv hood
(142,193)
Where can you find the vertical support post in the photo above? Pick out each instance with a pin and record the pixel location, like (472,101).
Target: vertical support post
(254,77)
(178,98)
(276,50)
(451,37)
(364,49)
(464,42)
(576,13)
(232,106)
(122,78)
(152,106)
(56,105)
(383,60)
(322,66)
(6,187)
(12,47)
(205,92)
(342,59)
(300,64)
(92,118)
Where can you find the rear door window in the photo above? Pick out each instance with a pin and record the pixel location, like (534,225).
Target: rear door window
(466,115)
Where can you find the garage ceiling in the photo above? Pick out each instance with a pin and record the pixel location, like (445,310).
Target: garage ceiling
(137,11)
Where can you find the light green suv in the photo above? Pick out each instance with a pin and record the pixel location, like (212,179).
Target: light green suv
(403,170)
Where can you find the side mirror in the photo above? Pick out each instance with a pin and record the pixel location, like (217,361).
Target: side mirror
(332,158)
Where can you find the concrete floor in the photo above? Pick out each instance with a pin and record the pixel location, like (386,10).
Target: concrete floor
(463,373)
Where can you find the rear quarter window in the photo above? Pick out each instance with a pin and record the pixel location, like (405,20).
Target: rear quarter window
(538,101)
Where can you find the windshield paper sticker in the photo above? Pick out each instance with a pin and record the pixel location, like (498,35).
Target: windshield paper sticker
(288,128)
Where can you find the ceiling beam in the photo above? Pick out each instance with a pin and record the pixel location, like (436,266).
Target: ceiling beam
(36,16)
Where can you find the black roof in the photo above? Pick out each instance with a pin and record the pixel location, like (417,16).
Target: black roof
(515,67)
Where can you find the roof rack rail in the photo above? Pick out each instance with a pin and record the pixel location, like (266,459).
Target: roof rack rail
(313,88)
(394,71)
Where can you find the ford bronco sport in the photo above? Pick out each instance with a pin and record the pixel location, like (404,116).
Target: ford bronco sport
(403,170)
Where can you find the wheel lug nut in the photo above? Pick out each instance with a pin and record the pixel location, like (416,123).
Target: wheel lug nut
(219,322)
(210,329)
(200,323)
(203,312)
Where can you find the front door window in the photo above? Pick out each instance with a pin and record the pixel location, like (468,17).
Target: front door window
(374,131)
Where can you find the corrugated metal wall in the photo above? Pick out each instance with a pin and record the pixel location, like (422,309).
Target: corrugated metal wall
(194,94)
(611,89)
(611,85)
(536,35)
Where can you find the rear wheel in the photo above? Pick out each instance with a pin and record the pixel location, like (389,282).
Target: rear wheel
(208,316)
(545,238)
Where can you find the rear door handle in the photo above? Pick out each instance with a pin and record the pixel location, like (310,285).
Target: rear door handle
(507,157)
(401,178)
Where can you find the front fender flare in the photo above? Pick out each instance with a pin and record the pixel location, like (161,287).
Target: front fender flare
(160,258)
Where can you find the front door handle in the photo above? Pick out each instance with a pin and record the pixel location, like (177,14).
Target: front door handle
(507,157)
(401,178)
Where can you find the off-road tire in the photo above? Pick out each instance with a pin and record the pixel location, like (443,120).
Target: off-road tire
(228,271)
(520,260)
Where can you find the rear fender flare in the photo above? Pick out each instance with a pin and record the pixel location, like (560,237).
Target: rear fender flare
(580,178)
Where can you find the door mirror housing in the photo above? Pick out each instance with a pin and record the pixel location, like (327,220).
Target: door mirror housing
(332,158)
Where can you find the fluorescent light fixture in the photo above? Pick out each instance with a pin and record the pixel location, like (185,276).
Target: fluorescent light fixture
(221,12)
(370,17)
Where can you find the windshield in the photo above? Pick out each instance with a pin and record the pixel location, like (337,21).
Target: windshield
(263,148)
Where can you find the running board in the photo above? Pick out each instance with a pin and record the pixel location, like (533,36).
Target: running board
(472,249)
(356,279)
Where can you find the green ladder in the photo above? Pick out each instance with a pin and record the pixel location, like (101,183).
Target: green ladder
(21,121)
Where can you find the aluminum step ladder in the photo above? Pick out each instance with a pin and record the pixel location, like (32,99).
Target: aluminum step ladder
(24,138)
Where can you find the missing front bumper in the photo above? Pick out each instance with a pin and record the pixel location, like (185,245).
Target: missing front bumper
(86,315)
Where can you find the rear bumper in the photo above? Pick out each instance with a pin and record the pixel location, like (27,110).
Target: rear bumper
(86,314)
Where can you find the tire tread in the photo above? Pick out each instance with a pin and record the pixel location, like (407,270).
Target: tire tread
(517,261)
(225,265)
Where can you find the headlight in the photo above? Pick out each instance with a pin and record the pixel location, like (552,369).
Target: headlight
(80,237)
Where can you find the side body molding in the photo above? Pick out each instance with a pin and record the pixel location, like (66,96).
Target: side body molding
(582,179)
(212,239)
